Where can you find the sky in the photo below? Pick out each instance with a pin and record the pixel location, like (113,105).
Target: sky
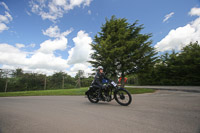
(48,36)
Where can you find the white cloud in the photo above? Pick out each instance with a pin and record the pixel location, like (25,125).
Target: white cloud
(60,43)
(13,57)
(59,2)
(52,31)
(3,27)
(55,32)
(18,45)
(28,13)
(54,9)
(89,12)
(49,46)
(4,5)
(5,19)
(181,36)
(47,61)
(75,68)
(82,50)
(31,45)
(80,54)
(195,11)
(168,16)
(8,16)
(42,60)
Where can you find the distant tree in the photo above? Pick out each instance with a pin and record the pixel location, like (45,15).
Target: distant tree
(80,74)
(57,78)
(18,72)
(60,80)
(78,77)
(32,81)
(122,49)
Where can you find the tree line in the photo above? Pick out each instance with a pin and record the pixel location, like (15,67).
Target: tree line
(18,80)
(175,68)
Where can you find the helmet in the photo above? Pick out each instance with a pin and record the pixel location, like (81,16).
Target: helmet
(100,67)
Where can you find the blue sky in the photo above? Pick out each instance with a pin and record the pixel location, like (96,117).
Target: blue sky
(47,36)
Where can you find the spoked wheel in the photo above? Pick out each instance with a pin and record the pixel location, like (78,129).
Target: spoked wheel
(123,97)
(93,98)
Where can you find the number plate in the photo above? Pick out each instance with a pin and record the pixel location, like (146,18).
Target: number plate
(114,84)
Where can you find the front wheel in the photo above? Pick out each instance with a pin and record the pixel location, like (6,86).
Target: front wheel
(123,97)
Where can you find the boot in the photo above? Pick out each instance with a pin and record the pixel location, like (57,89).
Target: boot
(100,96)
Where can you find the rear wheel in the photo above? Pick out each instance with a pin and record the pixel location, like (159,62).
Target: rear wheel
(123,97)
(92,97)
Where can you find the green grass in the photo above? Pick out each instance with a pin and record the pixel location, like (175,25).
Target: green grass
(71,92)
(139,90)
(58,92)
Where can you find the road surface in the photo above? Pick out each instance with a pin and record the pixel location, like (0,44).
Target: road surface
(159,112)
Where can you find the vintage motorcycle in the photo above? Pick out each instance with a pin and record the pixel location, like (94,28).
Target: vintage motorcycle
(109,92)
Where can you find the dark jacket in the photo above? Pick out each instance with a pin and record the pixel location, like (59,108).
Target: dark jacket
(98,79)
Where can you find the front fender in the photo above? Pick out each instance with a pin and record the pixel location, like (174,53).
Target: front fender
(120,88)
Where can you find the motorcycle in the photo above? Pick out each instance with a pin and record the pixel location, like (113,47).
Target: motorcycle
(109,92)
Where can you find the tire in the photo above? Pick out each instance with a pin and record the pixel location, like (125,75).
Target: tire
(92,98)
(123,97)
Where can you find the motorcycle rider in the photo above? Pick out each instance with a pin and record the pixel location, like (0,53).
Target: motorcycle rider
(97,82)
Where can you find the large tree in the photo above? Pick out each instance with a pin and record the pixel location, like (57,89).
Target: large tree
(122,49)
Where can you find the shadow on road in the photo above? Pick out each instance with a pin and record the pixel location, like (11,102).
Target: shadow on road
(101,103)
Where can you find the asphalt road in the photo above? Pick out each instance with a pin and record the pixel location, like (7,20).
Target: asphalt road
(159,112)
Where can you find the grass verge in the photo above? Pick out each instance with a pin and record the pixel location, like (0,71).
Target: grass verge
(71,92)
(140,90)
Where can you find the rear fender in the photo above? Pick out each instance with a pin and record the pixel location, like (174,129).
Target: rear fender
(89,90)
